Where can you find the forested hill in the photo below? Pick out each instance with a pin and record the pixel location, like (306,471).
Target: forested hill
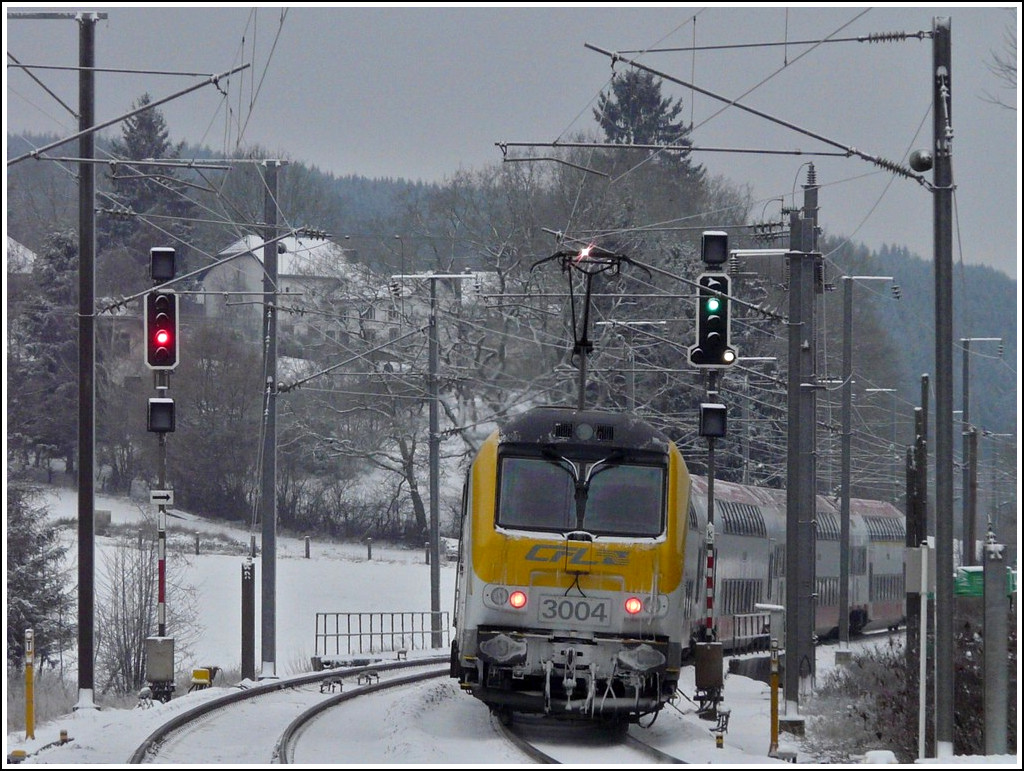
(985,304)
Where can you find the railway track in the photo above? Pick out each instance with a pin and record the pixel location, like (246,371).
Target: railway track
(288,747)
(548,742)
(303,720)
(191,736)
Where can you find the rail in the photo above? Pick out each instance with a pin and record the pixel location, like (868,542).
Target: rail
(346,634)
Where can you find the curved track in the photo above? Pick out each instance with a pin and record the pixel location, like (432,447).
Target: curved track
(285,751)
(299,723)
(177,740)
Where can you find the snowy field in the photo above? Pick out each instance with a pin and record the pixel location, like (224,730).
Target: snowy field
(338,578)
(335,578)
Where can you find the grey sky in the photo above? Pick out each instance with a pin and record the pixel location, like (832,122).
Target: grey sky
(422,92)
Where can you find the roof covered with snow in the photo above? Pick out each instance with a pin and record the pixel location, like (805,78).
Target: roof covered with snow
(297,255)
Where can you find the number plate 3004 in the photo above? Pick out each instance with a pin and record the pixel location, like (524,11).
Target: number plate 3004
(556,608)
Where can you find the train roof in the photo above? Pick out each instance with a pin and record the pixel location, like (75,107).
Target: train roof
(775,498)
(544,425)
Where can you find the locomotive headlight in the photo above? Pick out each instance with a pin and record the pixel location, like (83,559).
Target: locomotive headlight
(506,598)
(646,606)
(499,595)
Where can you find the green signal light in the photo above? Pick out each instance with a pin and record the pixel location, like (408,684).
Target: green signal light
(713,304)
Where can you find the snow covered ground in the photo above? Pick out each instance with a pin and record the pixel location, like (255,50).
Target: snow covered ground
(340,578)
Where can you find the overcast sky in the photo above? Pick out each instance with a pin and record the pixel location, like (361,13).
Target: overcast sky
(422,92)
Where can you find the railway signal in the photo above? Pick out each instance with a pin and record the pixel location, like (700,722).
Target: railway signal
(713,347)
(714,247)
(160,329)
(160,415)
(161,263)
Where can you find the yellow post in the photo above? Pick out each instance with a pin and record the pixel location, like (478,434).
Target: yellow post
(30,656)
(773,748)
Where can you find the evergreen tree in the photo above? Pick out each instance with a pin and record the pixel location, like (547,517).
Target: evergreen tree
(634,112)
(43,406)
(124,239)
(39,595)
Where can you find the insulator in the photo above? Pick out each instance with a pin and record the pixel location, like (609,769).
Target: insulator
(887,37)
(892,166)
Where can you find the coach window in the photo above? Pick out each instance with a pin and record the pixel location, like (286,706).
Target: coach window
(535,494)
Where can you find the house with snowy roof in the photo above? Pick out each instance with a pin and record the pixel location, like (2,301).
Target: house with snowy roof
(323,295)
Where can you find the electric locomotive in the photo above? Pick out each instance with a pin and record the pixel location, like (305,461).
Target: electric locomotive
(570,586)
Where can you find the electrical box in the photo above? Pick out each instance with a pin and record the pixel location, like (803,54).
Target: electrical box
(709,671)
(160,659)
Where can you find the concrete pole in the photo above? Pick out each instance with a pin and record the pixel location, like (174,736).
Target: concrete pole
(435,449)
(268,484)
(942,191)
(86,359)
(971,518)
(995,634)
(920,522)
(801,494)
(969,524)
(965,454)
(248,619)
(844,511)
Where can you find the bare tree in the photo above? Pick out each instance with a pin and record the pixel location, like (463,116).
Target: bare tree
(126,609)
(1003,64)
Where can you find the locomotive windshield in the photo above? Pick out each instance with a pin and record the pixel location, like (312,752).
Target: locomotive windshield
(621,499)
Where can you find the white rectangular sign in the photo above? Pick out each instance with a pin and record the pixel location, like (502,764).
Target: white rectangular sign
(165,497)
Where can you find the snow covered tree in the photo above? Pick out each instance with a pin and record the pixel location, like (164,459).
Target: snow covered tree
(44,375)
(39,591)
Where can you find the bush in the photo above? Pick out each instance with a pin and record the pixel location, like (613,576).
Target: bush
(872,702)
(53,696)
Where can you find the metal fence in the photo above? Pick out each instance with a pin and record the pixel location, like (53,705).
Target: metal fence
(750,632)
(345,634)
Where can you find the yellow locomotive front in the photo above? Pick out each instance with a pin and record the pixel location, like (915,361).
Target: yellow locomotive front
(569,596)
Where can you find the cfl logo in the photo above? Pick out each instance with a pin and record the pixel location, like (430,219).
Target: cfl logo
(576,555)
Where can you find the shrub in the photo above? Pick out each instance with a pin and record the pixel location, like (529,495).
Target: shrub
(872,702)
(53,696)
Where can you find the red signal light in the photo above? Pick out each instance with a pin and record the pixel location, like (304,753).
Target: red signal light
(517,599)
(634,605)
(161,329)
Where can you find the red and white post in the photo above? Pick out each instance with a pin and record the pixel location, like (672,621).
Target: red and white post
(709,548)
